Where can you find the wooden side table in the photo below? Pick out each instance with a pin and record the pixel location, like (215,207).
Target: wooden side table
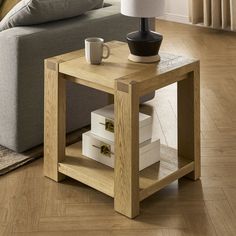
(127,81)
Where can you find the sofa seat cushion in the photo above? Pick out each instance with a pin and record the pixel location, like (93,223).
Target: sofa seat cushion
(30,12)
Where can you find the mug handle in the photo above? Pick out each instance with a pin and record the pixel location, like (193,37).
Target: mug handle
(108,51)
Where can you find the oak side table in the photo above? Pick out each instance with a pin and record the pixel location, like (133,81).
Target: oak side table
(126,81)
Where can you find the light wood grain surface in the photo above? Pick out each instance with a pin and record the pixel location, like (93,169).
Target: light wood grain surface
(32,205)
(117,66)
(101,177)
(128,81)
(126,185)
(54,119)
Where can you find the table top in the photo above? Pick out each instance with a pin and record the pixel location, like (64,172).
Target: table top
(118,67)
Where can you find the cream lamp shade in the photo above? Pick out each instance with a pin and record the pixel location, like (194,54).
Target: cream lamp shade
(142,8)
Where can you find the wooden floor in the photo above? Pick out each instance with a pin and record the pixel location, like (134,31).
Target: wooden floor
(33,205)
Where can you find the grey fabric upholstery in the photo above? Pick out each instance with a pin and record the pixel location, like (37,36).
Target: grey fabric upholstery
(31,12)
(23,51)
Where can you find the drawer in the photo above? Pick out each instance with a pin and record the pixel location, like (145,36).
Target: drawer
(102,150)
(102,124)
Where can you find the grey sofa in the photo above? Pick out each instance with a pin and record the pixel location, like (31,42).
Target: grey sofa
(22,54)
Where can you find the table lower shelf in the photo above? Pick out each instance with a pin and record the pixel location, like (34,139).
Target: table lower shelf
(101,177)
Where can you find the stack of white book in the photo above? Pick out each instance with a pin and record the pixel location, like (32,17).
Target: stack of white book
(98,143)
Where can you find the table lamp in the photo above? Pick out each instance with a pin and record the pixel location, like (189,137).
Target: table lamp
(144,44)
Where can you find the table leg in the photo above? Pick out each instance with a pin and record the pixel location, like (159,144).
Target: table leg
(54,119)
(126,195)
(189,120)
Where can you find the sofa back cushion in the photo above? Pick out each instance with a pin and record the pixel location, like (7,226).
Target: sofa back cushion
(30,12)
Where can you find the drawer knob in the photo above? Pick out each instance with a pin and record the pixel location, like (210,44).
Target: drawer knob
(109,125)
(105,150)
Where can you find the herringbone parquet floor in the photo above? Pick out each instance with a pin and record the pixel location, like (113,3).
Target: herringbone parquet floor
(33,205)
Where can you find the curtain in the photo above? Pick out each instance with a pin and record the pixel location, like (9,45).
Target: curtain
(214,13)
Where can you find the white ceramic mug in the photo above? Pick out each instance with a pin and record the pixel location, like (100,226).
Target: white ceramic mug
(94,50)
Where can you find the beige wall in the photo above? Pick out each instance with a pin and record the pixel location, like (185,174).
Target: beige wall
(176,10)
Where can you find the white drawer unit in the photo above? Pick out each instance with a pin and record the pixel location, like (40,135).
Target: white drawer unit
(102,124)
(102,150)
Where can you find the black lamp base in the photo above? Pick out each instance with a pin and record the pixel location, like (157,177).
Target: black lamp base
(144,44)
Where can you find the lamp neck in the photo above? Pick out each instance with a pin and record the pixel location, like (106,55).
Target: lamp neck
(144,25)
